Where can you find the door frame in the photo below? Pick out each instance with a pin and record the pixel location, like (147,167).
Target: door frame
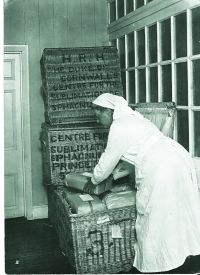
(26,140)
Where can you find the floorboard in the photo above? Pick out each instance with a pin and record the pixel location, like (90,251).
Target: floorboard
(31,247)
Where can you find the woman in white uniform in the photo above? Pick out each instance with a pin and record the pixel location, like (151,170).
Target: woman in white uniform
(167,197)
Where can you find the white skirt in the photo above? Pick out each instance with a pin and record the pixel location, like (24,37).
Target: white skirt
(168,208)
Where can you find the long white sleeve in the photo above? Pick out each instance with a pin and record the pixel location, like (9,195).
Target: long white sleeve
(126,138)
(115,148)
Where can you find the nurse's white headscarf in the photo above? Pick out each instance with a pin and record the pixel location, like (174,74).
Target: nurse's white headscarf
(116,103)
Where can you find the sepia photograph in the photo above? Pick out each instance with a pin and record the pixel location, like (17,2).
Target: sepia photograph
(101,130)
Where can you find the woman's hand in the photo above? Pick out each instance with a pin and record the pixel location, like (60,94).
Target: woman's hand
(89,187)
(123,169)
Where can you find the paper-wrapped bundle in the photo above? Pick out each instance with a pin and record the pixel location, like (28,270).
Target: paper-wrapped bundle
(83,203)
(120,199)
(79,180)
(120,187)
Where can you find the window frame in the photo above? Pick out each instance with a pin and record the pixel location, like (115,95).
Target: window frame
(142,18)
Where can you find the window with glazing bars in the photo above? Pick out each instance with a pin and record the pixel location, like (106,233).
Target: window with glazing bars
(120,8)
(161,62)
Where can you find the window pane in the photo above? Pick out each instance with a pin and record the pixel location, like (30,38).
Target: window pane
(182,127)
(196,81)
(139,3)
(197,133)
(166,40)
(142,85)
(149,1)
(141,47)
(167,82)
(122,52)
(131,90)
(129,6)
(131,50)
(182,84)
(196,30)
(153,84)
(114,43)
(112,11)
(123,76)
(181,35)
(120,8)
(153,44)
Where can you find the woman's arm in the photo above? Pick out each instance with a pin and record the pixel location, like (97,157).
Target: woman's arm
(116,146)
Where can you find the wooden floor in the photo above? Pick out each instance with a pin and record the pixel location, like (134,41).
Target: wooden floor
(31,247)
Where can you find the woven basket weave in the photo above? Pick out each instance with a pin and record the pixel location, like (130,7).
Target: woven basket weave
(70,149)
(162,114)
(87,240)
(73,77)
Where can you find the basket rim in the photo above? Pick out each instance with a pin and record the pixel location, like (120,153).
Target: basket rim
(94,214)
(81,48)
(57,127)
(159,105)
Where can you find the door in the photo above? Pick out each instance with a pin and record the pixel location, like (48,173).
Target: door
(13,144)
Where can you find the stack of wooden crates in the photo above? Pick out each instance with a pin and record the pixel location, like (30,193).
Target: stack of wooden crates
(72,142)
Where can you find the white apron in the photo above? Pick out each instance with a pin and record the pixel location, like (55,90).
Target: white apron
(168,206)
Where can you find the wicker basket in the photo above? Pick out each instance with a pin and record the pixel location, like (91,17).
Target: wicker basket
(88,241)
(162,114)
(70,149)
(73,77)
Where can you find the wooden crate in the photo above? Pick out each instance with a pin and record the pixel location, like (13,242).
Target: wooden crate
(70,149)
(73,77)
(88,241)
